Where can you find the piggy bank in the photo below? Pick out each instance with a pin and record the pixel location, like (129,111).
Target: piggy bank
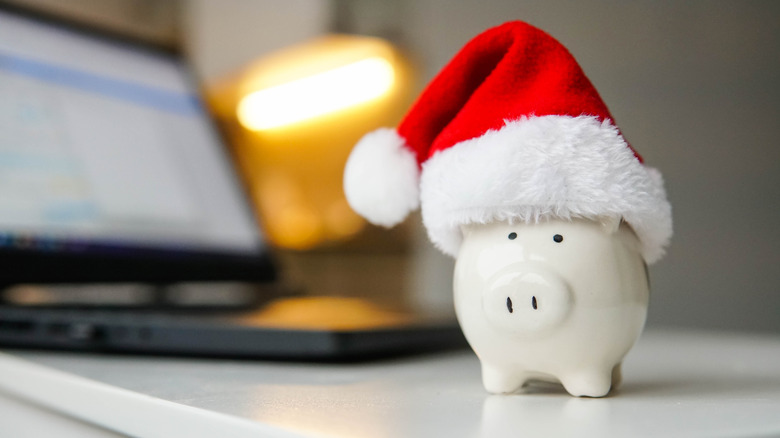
(521,173)
(560,300)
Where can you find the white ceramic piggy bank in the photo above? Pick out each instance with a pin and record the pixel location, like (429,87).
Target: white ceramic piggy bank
(557,301)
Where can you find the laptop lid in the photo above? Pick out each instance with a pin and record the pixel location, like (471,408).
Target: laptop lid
(110,167)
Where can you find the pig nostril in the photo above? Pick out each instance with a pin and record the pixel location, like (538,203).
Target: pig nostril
(509,304)
(533,303)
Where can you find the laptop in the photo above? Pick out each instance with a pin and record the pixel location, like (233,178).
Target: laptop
(124,226)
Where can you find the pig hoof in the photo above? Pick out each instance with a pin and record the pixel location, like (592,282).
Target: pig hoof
(497,381)
(588,384)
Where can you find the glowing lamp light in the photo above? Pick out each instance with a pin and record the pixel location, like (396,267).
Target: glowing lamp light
(316,95)
(299,110)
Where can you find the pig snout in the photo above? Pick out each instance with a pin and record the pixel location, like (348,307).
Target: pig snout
(526,299)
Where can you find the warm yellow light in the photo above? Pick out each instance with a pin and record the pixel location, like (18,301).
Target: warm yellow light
(316,95)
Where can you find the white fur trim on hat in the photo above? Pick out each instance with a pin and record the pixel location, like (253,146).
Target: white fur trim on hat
(381,178)
(541,167)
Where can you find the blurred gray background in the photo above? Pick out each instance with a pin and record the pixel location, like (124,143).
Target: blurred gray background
(694,86)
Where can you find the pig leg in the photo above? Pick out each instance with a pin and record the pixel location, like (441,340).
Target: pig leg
(501,380)
(588,383)
(617,376)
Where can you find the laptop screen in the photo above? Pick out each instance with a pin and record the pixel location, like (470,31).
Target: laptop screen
(107,146)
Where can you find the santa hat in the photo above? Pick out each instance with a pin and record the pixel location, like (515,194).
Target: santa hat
(510,130)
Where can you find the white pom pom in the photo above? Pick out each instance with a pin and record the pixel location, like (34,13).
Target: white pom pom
(381,178)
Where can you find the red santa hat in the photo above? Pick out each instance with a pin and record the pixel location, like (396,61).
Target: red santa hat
(510,130)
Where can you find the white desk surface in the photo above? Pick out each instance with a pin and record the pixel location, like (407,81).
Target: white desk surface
(676,383)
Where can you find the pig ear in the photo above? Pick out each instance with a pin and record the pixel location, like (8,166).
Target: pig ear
(610,224)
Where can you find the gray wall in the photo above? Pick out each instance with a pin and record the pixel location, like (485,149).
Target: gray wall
(695,87)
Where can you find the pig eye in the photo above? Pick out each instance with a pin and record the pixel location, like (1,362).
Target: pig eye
(558,238)
(512,236)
